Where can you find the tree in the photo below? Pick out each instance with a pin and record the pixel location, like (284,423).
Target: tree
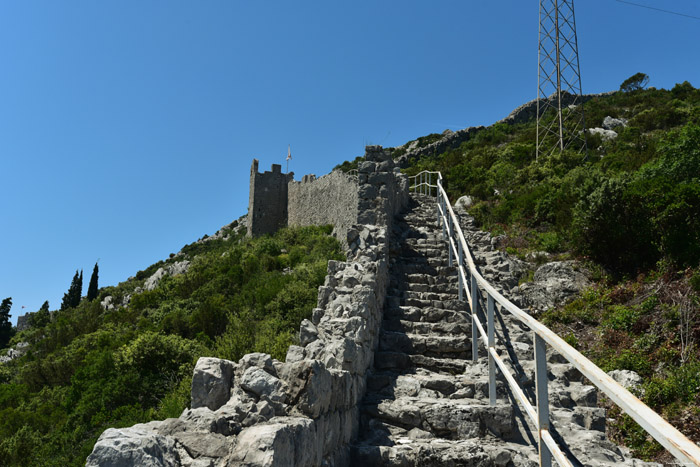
(42,317)
(5,325)
(92,288)
(71,299)
(635,82)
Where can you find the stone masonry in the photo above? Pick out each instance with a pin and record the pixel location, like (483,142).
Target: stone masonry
(304,411)
(277,200)
(267,205)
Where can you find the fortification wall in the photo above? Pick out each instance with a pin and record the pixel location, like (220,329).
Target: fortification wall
(303,411)
(331,199)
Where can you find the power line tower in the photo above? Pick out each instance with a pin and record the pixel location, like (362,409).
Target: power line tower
(560,120)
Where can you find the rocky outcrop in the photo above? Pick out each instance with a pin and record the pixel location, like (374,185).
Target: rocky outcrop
(554,284)
(174,269)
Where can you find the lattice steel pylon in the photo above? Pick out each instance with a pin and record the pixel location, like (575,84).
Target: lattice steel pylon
(560,120)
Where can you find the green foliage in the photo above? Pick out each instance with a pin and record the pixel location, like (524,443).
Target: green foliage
(90,369)
(5,324)
(92,287)
(42,317)
(347,166)
(635,82)
(71,299)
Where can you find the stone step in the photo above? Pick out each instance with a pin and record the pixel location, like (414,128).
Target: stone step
(388,360)
(429,294)
(393,446)
(462,328)
(446,288)
(450,304)
(456,346)
(426,315)
(447,419)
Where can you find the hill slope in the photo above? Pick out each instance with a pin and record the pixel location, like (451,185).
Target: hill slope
(127,357)
(630,211)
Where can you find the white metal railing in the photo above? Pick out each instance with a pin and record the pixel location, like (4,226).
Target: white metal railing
(473,283)
(423,183)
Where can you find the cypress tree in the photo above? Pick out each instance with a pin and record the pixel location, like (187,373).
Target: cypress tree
(42,317)
(5,325)
(71,299)
(92,288)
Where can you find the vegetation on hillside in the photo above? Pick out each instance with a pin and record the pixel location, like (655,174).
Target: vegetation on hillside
(630,209)
(89,369)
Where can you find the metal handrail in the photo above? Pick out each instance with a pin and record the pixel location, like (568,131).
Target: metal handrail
(423,182)
(470,280)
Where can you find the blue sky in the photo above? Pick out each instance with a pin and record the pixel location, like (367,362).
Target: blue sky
(127,128)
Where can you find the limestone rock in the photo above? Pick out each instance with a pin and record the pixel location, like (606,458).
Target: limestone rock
(554,283)
(628,379)
(610,123)
(465,202)
(211,382)
(260,382)
(606,135)
(127,447)
(174,269)
(287,442)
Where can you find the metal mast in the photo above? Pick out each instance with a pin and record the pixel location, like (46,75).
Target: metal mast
(560,120)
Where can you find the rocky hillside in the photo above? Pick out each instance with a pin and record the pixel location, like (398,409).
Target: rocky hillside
(622,223)
(128,356)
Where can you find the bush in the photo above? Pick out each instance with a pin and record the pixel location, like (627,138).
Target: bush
(613,227)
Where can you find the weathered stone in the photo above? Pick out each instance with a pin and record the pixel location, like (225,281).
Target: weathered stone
(258,360)
(260,382)
(307,332)
(554,283)
(606,135)
(610,123)
(628,379)
(127,447)
(285,441)
(211,382)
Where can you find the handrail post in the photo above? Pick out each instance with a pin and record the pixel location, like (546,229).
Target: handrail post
(475,330)
(439,204)
(460,262)
(490,305)
(430,182)
(542,397)
(444,224)
(449,238)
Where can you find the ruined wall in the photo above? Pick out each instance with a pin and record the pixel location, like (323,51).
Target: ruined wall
(303,411)
(331,199)
(267,202)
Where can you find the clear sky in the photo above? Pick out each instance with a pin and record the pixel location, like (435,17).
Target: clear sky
(127,128)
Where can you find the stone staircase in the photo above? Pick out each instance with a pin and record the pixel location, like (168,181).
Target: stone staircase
(427,403)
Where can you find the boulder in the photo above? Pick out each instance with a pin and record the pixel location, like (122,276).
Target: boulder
(259,382)
(211,382)
(138,445)
(465,202)
(606,135)
(554,284)
(286,441)
(610,123)
(628,379)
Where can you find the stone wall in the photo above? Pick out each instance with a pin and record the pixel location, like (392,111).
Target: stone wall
(267,203)
(303,411)
(331,199)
